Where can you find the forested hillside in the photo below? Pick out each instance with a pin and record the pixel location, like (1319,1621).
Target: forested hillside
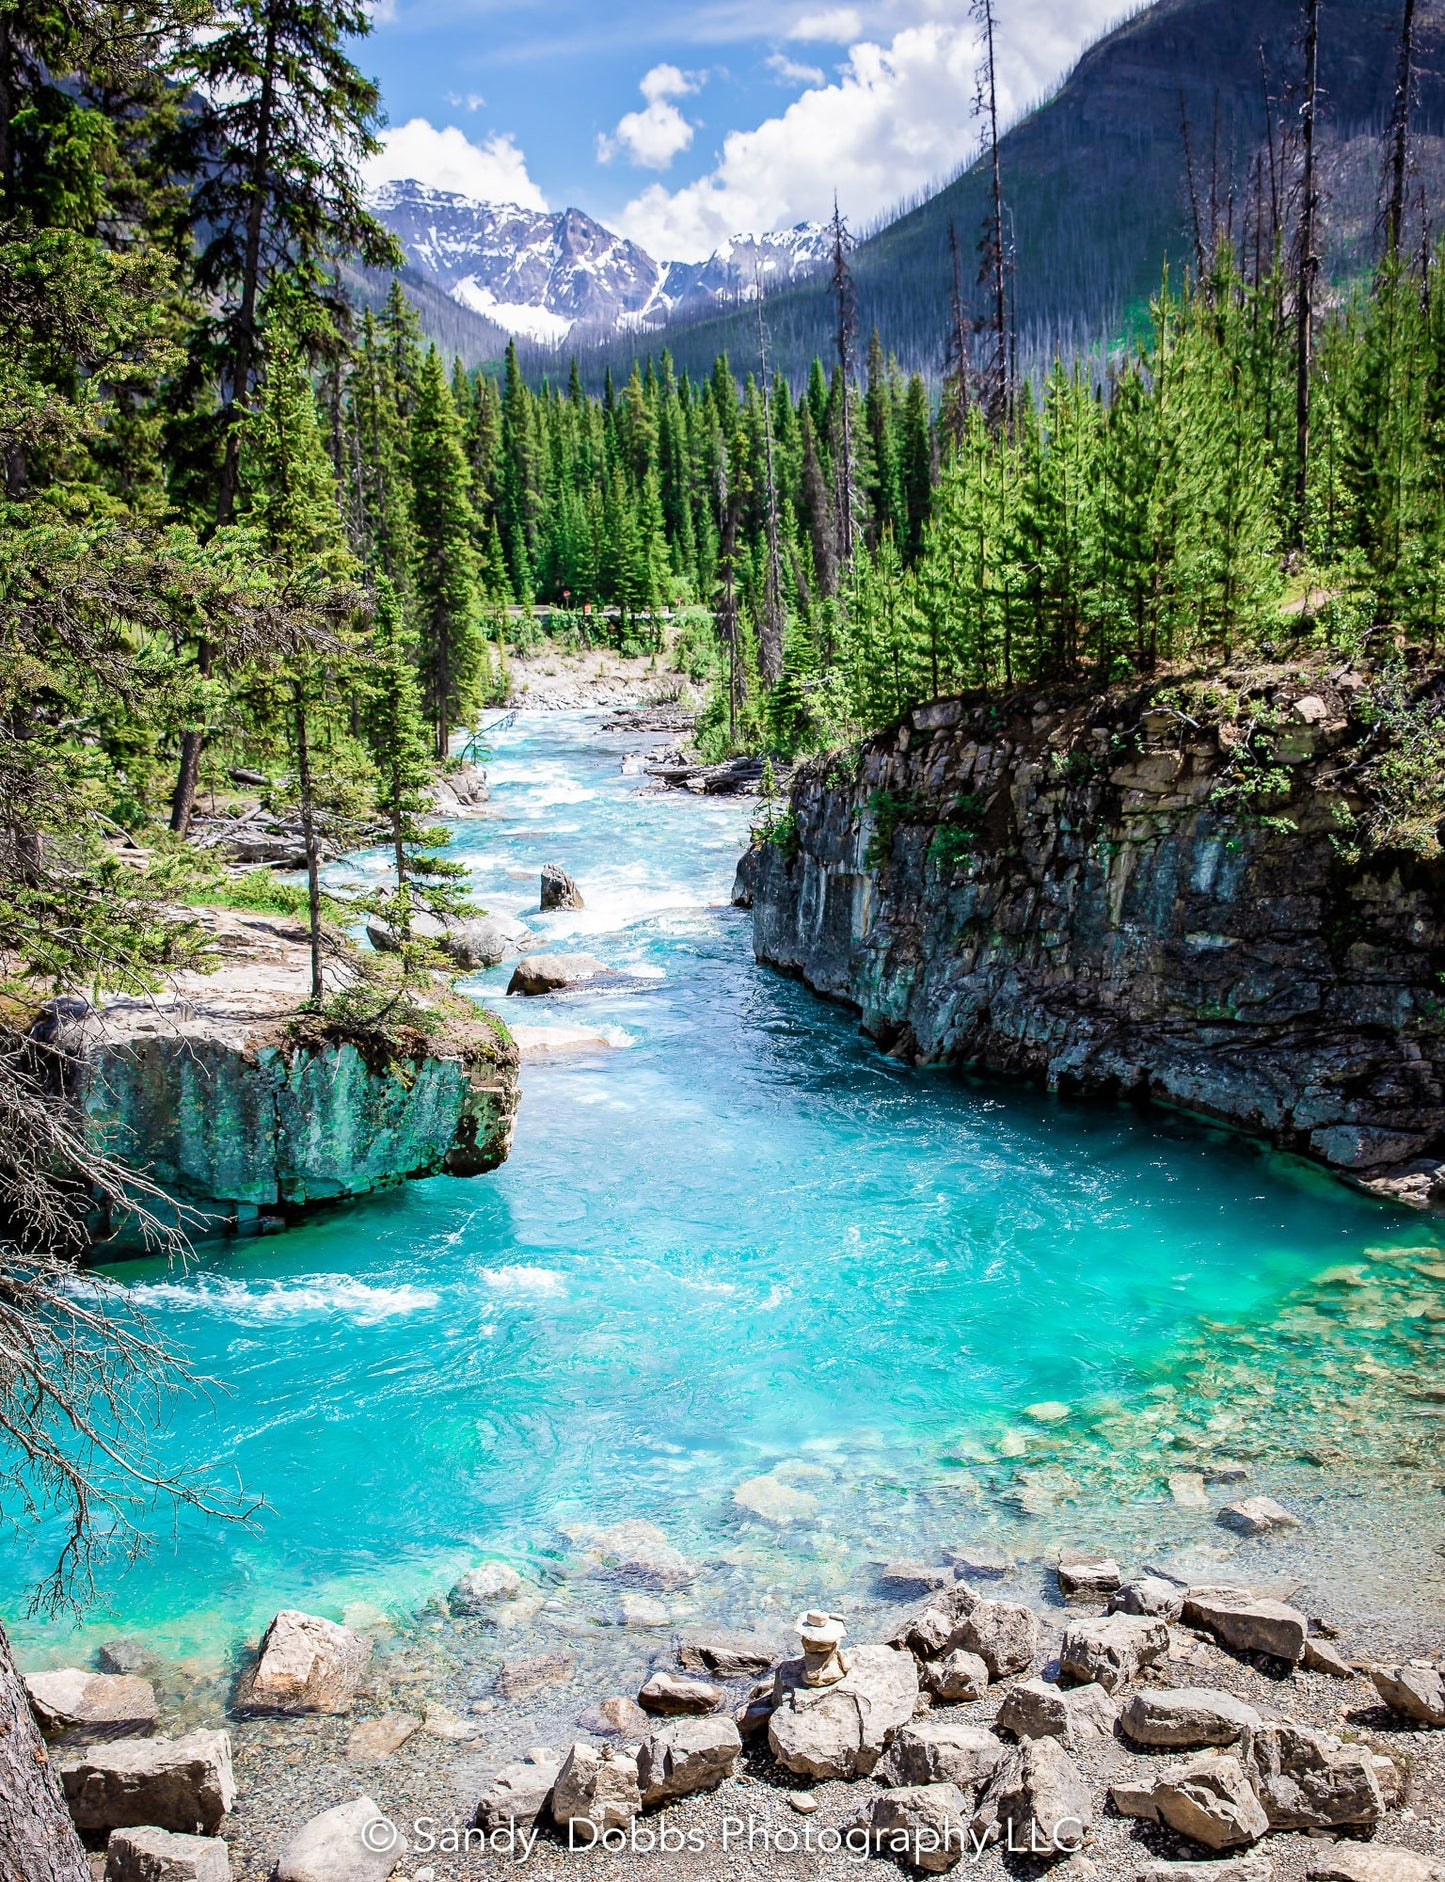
(1097,183)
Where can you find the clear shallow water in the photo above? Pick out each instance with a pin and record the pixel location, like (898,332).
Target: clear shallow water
(741,1243)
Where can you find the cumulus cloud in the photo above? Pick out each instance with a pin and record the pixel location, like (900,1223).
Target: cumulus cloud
(898,118)
(651,138)
(492,172)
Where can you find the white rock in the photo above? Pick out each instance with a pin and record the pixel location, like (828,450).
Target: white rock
(72,1705)
(686,1755)
(181,1784)
(924,1826)
(1247,1622)
(1227,1869)
(335,1847)
(1114,1650)
(145,1854)
(1186,1488)
(598,1788)
(520,1792)
(937,1749)
(641,1610)
(775,1501)
(306,1664)
(1004,1634)
(482,1587)
(1211,1801)
(375,1739)
(1371,1862)
(843,1730)
(1187,1718)
(1257,1516)
(1413,1692)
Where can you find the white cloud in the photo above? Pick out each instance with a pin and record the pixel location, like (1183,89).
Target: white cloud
(791,73)
(493,172)
(651,138)
(837,26)
(898,118)
(666,81)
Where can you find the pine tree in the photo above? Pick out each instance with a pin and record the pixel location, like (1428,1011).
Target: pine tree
(446,573)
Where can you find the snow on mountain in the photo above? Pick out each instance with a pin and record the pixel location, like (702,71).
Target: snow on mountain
(542,274)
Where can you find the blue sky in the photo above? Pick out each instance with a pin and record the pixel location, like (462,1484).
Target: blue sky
(681,124)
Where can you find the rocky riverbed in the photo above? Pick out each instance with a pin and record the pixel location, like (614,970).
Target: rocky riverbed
(1121,1719)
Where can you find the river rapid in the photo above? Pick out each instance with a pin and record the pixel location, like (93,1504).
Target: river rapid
(738,1250)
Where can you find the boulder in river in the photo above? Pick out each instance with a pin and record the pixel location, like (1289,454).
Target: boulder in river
(551,973)
(484,1588)
(1085,1575)
(336,1847)
(182,1784)
(675,1696)
(73,1706)
(306,1664)
(146,1854)
(1257,1516)
(726,1652)
(470,941)
(558,889)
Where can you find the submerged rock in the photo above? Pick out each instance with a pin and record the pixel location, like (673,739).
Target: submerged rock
(73,1706)
(1257,1516)
(666,1693)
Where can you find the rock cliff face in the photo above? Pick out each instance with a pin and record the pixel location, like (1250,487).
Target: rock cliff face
(240,1111)
(1139,893)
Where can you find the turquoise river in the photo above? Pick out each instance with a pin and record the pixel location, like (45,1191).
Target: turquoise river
(739,1244)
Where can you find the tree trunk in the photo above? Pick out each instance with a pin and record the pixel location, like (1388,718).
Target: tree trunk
(37,1839)
(7,113)
(1400,133)
(313,857)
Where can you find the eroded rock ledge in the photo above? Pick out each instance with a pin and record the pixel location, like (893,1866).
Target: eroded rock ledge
(240,1110)
(1097,892)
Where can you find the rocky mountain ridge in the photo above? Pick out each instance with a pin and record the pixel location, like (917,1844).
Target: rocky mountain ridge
(542,274)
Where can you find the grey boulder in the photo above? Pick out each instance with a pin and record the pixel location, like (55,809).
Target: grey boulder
(1257,1516)
(1187,1718)
(145,1854)
(958,1676)
(1150,1596)
(941,1750)
(1035,1709)
(1114,1650)
(182,1784)
(1003,1634)
(1087,1577)
(1248,1623)
(1372,1862)
(1227,1869)
(842,1731)
(595,1787)
(1211,1801)
(925,1825)
(1309,1780)
(685,1756)
(671,1694)
(519,1793)
(337,1846)
(558,888)
(729,1654)
(1037,1802)
(550,973)
(73,1706)
(1415,1692)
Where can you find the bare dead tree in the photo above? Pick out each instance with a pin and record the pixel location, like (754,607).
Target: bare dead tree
(1399,156)
(770,639)
(994,272)
(1307,269)
(1195,218)
(958,356)
(847,328)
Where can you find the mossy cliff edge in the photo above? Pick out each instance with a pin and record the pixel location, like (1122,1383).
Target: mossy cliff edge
(1225,894)
(238,1105)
